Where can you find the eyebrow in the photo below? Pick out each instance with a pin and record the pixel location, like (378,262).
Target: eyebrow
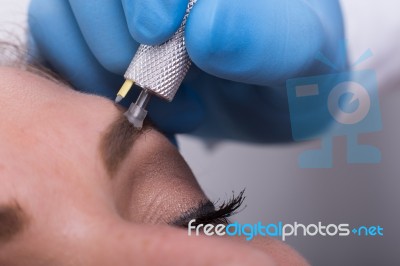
(13,220)
(119,137)
(117,142)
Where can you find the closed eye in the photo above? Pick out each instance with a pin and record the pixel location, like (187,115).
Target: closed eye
(207,212)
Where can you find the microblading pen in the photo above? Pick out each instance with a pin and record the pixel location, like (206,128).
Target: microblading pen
(157,70)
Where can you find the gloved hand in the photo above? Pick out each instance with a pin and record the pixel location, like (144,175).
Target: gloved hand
(243,52)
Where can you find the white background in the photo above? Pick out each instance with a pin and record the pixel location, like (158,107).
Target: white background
(277,189)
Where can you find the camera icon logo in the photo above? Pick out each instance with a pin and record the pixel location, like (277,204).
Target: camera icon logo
(326,106)
(349,103)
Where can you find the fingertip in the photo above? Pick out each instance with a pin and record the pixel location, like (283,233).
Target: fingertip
(118,66)
(61,44)
(251,42)
(36,8)
(184,114)
(103,27)
(38,12)
(153,22)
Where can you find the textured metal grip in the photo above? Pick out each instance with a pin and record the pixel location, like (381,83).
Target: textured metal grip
(162,68)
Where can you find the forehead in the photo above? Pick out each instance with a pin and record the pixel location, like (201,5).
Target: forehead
(25,86)
(28,99)
(47,129)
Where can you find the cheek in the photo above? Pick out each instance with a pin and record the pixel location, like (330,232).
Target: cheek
(161,245)
(63,229)
(280,252)
(64,215)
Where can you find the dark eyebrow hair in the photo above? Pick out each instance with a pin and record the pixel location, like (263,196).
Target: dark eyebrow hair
(13,220)
(117,141)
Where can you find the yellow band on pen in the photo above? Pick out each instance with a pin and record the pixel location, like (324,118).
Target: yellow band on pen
(125,88)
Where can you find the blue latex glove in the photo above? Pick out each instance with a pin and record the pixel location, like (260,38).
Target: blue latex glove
(244,52)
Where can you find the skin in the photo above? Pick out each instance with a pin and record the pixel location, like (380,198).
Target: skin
(72,210)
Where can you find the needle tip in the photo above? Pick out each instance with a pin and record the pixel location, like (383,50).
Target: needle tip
(118,99)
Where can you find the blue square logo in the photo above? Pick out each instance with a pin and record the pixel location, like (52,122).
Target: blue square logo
(342,104)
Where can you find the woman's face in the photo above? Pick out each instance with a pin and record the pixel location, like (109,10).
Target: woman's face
(79,186)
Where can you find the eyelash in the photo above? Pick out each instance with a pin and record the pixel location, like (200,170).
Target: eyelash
(208,213)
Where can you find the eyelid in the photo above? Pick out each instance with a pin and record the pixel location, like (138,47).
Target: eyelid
(207,213)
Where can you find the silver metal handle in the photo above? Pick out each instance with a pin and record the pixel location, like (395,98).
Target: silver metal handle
(161,69)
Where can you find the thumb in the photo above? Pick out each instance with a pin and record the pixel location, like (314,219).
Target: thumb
(258,42)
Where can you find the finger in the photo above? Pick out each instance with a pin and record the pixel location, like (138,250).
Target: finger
(104,28)
(258,42)
(154,21)
(60,42)
(184,114)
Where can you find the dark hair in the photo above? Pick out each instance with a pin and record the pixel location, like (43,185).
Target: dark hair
(13,49)
(14,52)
